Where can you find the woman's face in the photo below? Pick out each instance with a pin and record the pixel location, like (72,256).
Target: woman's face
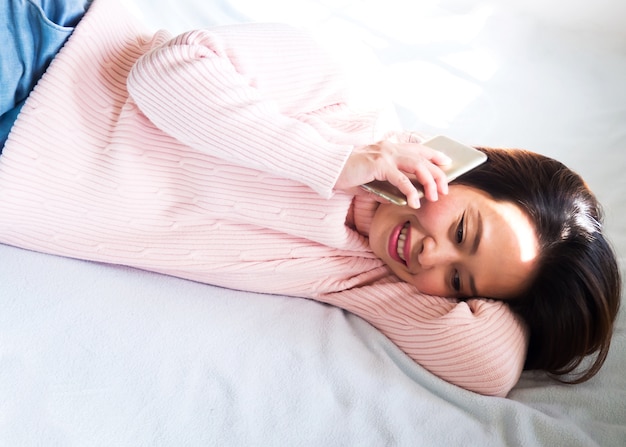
(463,245)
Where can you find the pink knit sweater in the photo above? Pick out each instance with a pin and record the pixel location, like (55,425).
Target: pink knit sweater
(212,156)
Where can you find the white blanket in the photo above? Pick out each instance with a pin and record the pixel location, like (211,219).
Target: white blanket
(96,355)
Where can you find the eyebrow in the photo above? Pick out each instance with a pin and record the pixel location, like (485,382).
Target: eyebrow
(478,234)
(477,237)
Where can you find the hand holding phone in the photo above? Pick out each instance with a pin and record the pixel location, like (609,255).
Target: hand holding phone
(464,158)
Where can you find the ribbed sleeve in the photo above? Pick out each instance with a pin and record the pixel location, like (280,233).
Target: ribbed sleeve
(219,167)
(479,345)
(262,85)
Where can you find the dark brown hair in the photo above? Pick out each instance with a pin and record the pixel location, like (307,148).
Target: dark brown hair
(572,302)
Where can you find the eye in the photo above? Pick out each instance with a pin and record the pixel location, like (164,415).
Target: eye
(456,281)
(460,231)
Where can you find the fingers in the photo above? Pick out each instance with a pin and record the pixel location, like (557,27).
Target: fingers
(439,158)
(401,181)
(404,165)
(425,168)
(435,182)
(430,181)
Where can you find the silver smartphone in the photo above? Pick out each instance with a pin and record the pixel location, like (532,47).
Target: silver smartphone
(464,158)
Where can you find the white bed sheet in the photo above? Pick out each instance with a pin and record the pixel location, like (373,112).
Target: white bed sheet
(93,355)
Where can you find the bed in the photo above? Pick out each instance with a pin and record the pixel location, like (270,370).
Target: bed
(95,354)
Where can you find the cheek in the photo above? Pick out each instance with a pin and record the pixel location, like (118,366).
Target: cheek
(431,282)
(431,286)
(380,228)
(432,215)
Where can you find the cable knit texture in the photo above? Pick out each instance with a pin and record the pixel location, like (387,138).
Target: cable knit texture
(212,156)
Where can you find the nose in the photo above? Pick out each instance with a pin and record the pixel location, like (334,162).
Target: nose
(434,254)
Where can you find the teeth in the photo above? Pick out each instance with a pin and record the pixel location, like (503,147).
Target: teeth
(402,241)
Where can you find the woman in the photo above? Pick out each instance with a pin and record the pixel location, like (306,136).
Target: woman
(230,156)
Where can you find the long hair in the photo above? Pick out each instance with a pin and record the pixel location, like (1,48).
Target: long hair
(573,299)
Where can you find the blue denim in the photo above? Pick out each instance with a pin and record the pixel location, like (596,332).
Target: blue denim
(31,34)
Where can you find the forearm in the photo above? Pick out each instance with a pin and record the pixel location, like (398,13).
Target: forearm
(252,98)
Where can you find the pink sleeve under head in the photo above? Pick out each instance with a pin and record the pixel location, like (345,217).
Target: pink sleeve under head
(479,345)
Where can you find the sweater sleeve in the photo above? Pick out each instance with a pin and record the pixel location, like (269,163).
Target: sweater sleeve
(249,94)
(479,344)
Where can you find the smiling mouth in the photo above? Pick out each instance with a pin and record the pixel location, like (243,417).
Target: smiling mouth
(402,242)
(399,243)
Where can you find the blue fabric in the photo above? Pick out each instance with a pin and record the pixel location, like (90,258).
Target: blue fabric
(31,33)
